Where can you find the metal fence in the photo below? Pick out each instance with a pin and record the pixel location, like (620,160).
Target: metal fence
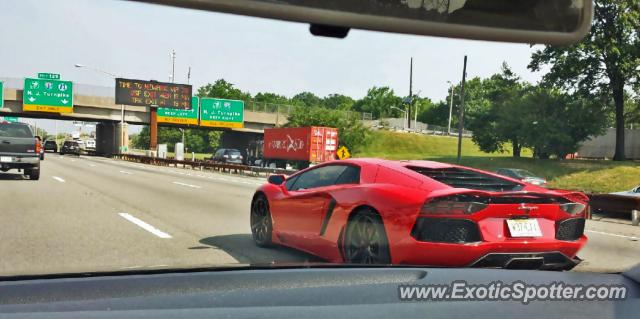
(400,124)
(286,109)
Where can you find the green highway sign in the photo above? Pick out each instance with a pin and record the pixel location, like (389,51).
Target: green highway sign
(11,119)
(44,95)
(49,76)
(179,116)
(221,113)
(1,94)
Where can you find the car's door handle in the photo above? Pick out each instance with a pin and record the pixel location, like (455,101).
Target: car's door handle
(6,142)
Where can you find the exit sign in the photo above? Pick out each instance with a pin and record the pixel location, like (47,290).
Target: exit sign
(49,76)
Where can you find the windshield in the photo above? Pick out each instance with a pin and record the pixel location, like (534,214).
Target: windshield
(180,138)
(20,131)
(524,173)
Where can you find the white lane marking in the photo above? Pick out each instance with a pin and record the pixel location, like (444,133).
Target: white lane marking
(125,172)
(58,179)
(145,226)
(187,185)
(73,160)
(610,234)
(92,165)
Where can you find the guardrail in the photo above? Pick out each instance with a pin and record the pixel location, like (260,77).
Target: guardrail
(617,204)
(202,165)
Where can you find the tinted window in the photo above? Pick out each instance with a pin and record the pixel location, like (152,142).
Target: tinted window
(289,184)
(319,177)
(233,152)
(10,130)
(351,175)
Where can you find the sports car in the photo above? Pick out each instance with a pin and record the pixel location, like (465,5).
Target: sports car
(425,213)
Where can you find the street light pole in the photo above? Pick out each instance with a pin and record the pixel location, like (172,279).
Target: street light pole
(173,66)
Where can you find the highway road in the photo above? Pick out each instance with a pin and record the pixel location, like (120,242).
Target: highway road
(98,214)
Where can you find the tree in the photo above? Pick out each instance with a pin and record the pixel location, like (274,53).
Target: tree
(494,113)
(197,140)
(435,114)
(379,102)
(351,132)
(307,99)
(555,123)
(272,98)
(223,90)
(338,102)
(603,64)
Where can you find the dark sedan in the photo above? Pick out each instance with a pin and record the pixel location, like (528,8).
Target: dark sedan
(70,147)
(50,146)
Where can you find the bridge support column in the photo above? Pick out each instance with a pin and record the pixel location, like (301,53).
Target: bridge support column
(122,137)
(153,129)
(106,139)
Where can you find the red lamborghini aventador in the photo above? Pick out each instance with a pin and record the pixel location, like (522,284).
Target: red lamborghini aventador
(419,213)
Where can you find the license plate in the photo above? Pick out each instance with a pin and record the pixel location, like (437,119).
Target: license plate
(5,159)
(524,227)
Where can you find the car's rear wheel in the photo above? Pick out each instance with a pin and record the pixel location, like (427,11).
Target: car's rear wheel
(261,226)
(366,240)
(33,173)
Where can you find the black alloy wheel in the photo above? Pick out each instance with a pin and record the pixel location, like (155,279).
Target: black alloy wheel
(260,219)
(365,240)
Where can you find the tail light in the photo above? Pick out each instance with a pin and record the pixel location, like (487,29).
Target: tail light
(454,205)
(573,208)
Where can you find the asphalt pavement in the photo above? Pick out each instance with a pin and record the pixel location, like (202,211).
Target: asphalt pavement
(98,214)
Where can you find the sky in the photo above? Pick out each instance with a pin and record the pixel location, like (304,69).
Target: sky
(135,40)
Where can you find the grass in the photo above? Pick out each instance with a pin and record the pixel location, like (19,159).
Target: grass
(393,145)
(586,175)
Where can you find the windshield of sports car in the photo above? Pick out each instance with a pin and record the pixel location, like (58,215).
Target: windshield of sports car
(146,137)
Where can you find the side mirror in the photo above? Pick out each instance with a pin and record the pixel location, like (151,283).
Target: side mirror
(276,179)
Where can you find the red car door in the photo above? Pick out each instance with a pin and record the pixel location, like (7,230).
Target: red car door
(299,212)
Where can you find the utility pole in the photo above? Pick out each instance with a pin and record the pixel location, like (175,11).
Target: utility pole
(461,110)
(450,108)
(410,93)
(189,76)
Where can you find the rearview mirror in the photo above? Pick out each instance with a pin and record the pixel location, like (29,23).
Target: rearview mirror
(525,21)
(276,179)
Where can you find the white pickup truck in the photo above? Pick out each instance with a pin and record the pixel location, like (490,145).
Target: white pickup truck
(19,149)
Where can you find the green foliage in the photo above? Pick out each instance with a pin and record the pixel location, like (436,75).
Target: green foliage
(380,101)
(338,102)
(351,132)
(307,99)
(272,98)
(197,140)
(223,90)
(554,123)
(435,114)
(604,64)
(543,118)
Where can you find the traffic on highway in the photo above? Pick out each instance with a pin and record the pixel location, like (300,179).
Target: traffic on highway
(203,158)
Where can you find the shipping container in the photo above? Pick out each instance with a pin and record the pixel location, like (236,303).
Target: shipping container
(309,144)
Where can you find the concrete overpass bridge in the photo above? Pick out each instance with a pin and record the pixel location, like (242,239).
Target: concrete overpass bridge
(110,133)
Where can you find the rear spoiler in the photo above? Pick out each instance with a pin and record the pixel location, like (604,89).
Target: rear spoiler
(556,194)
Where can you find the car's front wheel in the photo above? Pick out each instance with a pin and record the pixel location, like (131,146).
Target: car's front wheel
(261,226)
(366,240)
